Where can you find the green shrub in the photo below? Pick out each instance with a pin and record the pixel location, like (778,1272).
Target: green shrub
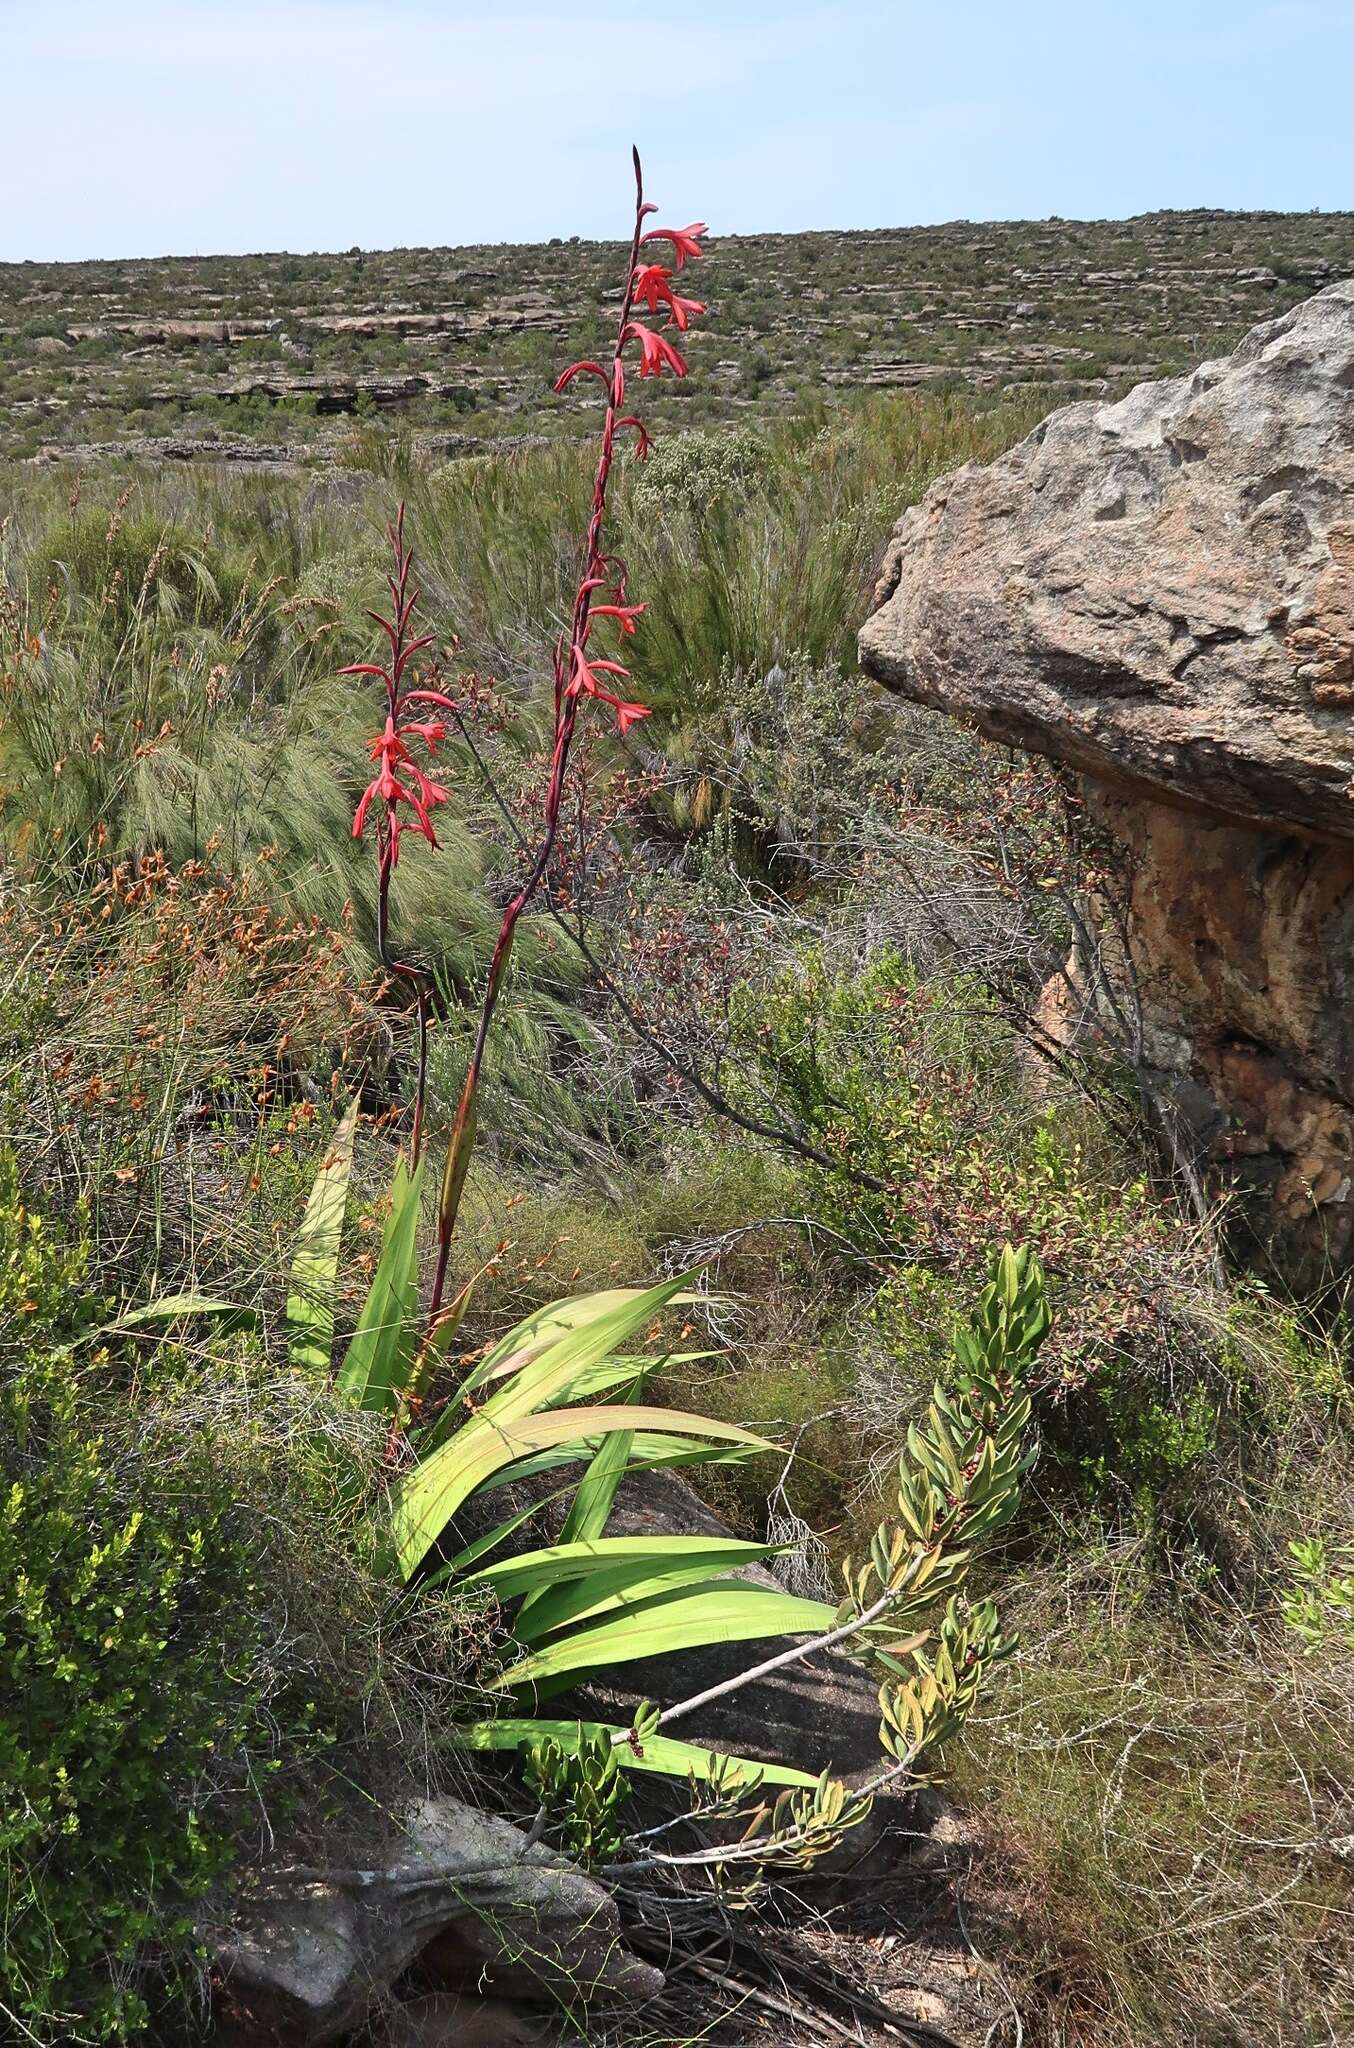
(118,1696)
(692,470)
(917,1085)
(196,1643)
(1319,1607)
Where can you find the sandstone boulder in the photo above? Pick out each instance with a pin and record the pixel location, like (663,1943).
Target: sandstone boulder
(1160,593)
(313,1952)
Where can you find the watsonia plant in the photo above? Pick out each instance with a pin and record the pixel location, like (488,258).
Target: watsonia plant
(565,1388)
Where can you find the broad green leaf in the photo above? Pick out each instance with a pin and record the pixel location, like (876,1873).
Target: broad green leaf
(653,1452)
(314,1266)
(662,1753)
(552,1376)
(590,1509)
(687,1619)
(482,1545)
(625,1585)
(556,1319)
(376,1368)
(592,1504)
(565,1561)
(175,1308)
(425,1499)
(619,1370)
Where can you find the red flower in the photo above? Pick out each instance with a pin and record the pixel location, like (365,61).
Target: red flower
(685,241)
(430,697)
(566,377)
(651,285)
(390,749)
(656,352)
(625,613)
(584,678)
(584,682)
(643,438)
(683,311)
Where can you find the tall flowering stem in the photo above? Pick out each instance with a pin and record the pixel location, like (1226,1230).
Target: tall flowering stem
(578,671)
(401,791)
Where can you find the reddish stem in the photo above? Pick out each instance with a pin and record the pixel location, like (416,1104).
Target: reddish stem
(566,719)
(417,979)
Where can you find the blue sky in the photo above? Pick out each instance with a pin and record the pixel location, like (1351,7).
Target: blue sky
(150,128)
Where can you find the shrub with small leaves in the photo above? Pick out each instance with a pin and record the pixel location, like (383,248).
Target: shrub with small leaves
(118,1696)
(1319,1607)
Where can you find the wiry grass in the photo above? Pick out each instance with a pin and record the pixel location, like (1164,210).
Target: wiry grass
(1162,1782)
(1164,1793)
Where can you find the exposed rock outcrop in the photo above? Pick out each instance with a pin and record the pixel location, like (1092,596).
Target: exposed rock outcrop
(1160,593)
(463,1895)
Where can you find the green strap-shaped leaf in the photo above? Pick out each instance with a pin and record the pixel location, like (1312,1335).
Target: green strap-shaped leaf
(314,1266)
(688,1619)
(567,1561)
(590,1509)
(177,1308)
(536,1332)
(424,1501)
(379,1359)
(660,1753)
(553,1377)
(624,1585)
(653,1452)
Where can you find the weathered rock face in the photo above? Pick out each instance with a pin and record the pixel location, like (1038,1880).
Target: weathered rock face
(1160,593)
(462,1894)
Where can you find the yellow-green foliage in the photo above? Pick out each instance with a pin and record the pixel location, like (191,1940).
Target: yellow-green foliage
(917,1084)
(120,1687)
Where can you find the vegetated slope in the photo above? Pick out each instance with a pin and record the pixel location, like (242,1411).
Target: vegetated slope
(271,356)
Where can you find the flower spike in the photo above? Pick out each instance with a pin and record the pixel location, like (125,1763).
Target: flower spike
(576,675)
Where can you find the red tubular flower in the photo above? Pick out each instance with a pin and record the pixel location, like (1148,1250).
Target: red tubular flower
(584,678)
(656,352)
(431,697)
(391,750)
(683,311)
(643,438)
(653,285)
(429,730)
(626,614)
(566,377)
(684,242)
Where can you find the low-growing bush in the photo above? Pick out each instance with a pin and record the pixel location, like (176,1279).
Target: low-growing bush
(196,1641)
(129,1625)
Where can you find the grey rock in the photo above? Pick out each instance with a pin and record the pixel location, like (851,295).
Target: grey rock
(309,1956)
(1159,591)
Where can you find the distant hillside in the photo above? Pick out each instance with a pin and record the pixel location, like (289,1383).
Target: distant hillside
(276,357)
